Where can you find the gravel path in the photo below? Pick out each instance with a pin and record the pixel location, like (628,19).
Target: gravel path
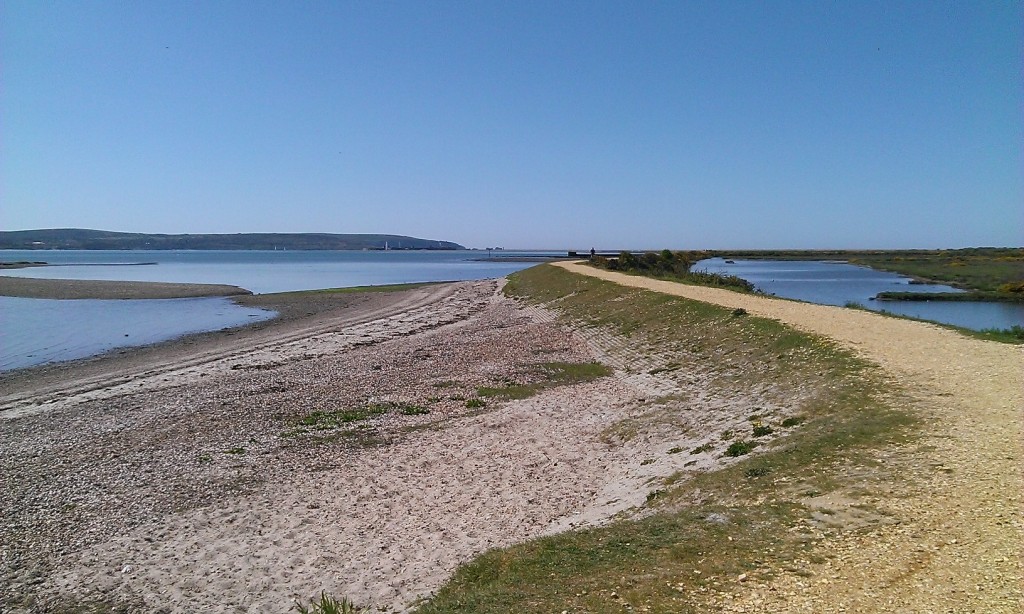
(956,546)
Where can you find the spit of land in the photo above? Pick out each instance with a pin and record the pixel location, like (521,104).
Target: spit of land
(368,444)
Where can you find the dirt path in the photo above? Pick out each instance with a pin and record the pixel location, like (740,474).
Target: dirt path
(956,546)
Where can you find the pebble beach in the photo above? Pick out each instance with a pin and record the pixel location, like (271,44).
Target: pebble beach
(180,477)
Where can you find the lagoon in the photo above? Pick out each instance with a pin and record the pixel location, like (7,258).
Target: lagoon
(840,283)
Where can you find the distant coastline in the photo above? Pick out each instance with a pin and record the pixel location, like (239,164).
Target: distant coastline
(85,239)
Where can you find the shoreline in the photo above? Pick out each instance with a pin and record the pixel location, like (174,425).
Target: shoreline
(298,314)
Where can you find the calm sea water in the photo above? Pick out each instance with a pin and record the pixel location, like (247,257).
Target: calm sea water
(266,271)
(37,331)
(837,283)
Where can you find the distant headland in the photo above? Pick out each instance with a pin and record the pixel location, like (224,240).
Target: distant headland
(79,238)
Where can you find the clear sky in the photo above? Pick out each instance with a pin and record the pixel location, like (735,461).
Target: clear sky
(547,124)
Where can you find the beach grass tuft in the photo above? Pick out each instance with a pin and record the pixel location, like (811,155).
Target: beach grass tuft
(328,605)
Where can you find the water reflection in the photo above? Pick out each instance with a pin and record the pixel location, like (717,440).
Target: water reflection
(35,331)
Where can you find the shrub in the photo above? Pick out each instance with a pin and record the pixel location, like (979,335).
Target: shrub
(739,448)
(475,403)
(760,430)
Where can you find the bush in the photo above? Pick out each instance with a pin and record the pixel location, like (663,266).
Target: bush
(739,448)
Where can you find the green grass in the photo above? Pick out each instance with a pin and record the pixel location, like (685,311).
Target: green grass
(407,409)
(547,375)
(739,448)
(323,420)
(744,518)
(333,425)
(328,605)
(1004,335)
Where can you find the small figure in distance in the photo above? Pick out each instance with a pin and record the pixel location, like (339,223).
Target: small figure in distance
(592,252)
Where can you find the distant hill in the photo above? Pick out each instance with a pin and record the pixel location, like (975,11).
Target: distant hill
(77,238)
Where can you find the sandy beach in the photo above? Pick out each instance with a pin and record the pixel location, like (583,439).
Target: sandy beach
(166,476)
(181,477)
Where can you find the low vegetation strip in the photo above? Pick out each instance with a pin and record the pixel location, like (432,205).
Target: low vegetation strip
(1005,297)
(706,535)
(668,264)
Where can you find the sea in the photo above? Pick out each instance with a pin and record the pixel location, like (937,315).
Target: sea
(38,331)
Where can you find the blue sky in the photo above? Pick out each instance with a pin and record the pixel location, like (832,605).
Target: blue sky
(522,124)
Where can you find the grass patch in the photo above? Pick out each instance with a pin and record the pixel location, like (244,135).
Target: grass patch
(707,528)
(328,605)
(739,448)
(412,410)
(1013,334)
(703,448)
(333,425)
(323,420)
(547,375)
(475,403)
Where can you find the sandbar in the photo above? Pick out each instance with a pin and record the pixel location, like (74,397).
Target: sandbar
(28,287)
